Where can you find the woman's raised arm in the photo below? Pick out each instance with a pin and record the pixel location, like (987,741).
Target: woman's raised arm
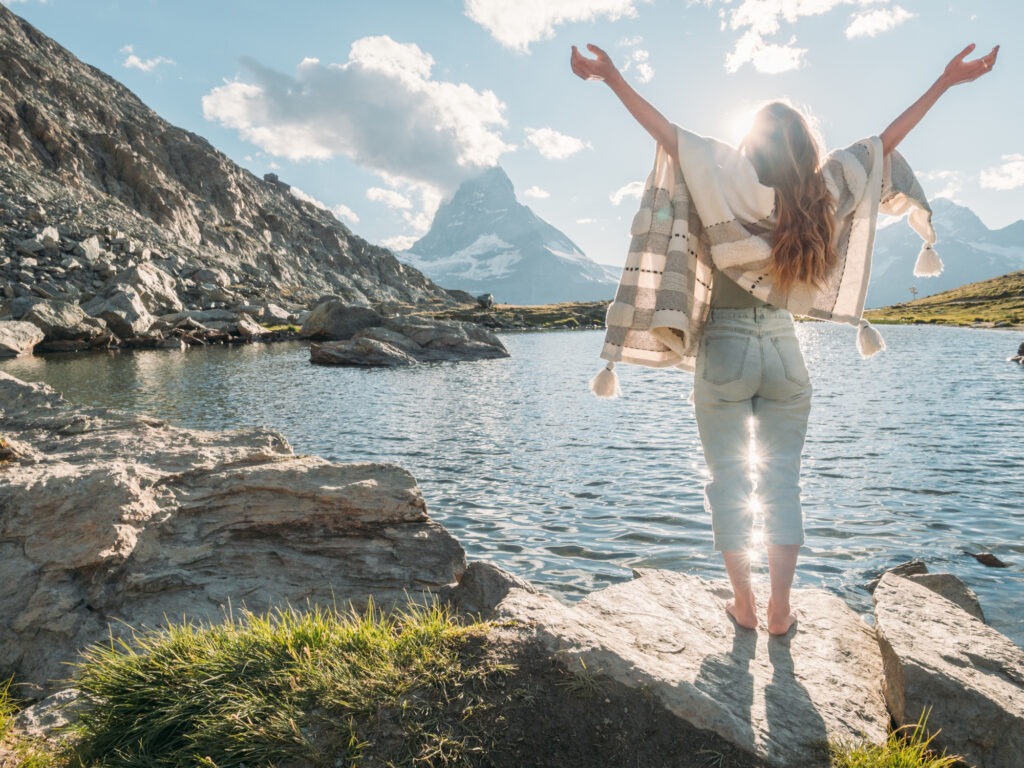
(602,68)
(957,71)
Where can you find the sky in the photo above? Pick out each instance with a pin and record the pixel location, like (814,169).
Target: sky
(377,110)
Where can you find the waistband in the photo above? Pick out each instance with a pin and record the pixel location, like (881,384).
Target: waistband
(753,314)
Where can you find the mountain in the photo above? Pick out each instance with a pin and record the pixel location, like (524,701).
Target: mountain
(970,251)
(81,154)
(484,241)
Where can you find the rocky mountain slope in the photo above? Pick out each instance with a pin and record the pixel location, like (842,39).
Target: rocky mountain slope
(970,251)
(484,241)
(81,155)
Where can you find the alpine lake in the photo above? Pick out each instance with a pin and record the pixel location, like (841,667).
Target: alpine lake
(917,452)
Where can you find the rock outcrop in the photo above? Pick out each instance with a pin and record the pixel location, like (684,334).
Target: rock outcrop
(109,520)
(102,200)
(669,635)
(18,338)
(364,338)
(968,677)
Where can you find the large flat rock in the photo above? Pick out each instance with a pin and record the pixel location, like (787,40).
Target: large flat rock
(110,520)
(941,658)
(781,699)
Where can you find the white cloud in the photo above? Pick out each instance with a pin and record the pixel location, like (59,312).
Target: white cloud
(634,189)
(344,213)
(637,60)
(381,108)
(873,23)
(340,212)
(946,184)
(586,221)
(554,145)
(757,21)
(537,193)
(132,61)
(1009,175)
(389,197)
(766,57)
(517,24)
(399,242)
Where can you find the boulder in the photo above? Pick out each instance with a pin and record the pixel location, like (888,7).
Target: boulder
(156,288)
(940,659)
(953,589)
(18,338)
(272,314)
(112,520)
(668,634)
(361,352)
(443,340)
(124,311)
(335,320)
(388,336)
(64,321)
(213,276)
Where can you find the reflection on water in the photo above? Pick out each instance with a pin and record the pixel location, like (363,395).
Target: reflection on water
(913,453)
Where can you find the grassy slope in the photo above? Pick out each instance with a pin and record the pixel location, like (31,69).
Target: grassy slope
(999,300)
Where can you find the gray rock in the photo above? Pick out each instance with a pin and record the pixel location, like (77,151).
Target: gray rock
(482,587)
(124,311)
(50,237)
(248,328)
(394,338)
(451,341)
(29,247)
(63,321)
(668,634)
(272,314)
(47,718)
(953,589)
(941,659)
(361,352)
(335,320)
(90,248)
(214,276)
(116,519)
(18,338)
(155,287)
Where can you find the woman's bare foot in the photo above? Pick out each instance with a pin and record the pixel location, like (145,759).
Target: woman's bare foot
(745,614)
(780,622)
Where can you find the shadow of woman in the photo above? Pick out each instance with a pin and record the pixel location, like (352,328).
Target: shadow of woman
(790,715)
(726,679)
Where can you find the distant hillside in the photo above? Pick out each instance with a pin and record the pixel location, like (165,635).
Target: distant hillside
(996,301)
(970,250)
(81,153)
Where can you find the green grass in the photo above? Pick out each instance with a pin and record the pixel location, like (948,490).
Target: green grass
(999,300)
(907,747)
(312,688)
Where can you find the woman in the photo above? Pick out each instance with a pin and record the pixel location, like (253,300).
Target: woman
(727,243)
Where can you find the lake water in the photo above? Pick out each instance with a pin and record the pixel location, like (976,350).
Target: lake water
(917,452)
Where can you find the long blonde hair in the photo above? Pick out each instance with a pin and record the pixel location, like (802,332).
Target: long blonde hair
(783,150)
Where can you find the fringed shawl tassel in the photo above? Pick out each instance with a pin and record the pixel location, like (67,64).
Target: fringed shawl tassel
(928,262)
(869,341)
(606,383)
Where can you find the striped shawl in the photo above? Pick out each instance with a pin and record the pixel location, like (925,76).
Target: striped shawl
(710,213)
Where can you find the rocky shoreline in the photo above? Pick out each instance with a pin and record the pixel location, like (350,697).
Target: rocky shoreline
(109,520)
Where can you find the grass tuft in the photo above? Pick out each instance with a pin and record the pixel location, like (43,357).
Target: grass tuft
(906,747)
(287,688)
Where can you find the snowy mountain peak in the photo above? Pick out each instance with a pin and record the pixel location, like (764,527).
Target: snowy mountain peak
(484,241)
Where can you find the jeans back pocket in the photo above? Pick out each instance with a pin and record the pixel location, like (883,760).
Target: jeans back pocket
(724,357)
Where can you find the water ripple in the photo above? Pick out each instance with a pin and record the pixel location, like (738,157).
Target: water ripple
(912,453)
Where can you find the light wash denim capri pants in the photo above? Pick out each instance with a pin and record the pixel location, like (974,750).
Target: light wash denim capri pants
(751,380)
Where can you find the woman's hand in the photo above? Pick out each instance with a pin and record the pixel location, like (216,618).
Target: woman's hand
(599,68)
(960,71)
